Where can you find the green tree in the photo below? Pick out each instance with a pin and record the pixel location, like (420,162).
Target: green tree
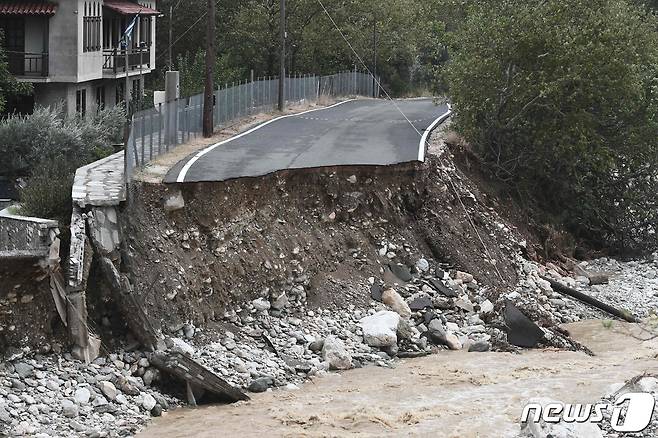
(561,98)
(8,84)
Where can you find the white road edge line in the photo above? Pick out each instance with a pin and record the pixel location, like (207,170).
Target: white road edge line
(428,131)
(189,164)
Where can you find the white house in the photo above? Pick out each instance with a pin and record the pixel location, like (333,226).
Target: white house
(70,50)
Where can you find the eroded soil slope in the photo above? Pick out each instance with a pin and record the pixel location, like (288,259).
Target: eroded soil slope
(324,230)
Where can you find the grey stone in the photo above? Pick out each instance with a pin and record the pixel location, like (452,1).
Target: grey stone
(316,346)
(376,292)
(69,409)
(420,302)
(23,369)
(261,384)
(401,272)
(479,346)
(108,389)
(280,302)
(336,354)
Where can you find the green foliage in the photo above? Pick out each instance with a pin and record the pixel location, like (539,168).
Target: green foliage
(248,38)
(561,98)
(8,84)
(192,67)
(48,193)
(48,147)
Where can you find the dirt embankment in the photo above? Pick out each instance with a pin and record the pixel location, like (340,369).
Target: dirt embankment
(27,312)
(321,229)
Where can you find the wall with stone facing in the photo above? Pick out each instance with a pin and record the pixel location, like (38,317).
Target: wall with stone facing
(25,237)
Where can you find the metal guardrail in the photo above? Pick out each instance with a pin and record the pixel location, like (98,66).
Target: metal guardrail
(156,131)
(115,59)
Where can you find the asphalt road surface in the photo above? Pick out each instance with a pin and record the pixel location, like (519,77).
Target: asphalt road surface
(355,132)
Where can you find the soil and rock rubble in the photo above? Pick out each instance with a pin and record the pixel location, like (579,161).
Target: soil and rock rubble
(268,282)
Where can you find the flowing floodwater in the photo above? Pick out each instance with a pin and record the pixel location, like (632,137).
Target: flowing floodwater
(452,394)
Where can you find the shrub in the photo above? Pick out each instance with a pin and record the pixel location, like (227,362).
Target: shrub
(48,147)
(561,99)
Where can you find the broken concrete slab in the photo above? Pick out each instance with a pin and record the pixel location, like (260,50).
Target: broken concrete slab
(522,332)
(188,370)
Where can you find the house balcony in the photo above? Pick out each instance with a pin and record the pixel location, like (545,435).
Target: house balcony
(114,61)
(25,65)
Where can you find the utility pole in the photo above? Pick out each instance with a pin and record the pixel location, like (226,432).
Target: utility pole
(208,101)
(171,32)
(282,72)
(375,88)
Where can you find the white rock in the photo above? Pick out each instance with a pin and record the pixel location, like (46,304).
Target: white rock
(486,306)
(336,354)
(380,329)
(422,265)
(148,402)
(174,201)
(182,346)
(261,304)
(82,396)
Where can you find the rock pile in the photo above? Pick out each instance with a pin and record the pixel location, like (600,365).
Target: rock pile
(55,395)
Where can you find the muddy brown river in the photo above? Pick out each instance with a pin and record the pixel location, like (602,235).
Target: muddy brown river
(452,394)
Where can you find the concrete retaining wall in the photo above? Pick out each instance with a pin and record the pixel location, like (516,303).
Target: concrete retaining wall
(25,237)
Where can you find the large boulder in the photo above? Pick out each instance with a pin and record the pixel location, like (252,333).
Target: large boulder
(393,300)
(380,329)
(335,353)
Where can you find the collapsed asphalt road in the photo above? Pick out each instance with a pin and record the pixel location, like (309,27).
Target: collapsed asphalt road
(354,132)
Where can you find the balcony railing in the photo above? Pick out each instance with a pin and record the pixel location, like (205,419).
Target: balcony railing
(28,64)
(114,60)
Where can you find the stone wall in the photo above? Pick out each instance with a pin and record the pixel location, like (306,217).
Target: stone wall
(25,237)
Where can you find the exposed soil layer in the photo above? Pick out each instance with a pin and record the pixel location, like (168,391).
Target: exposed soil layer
(322,228)
(27,312)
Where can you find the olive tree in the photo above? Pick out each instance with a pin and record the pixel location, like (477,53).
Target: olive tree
(561,99)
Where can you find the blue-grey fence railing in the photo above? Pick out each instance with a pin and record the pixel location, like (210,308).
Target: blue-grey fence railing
(158,130)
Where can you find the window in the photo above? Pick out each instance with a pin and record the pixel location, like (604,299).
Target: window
(81,102)
(145,30)
(91,27)
(100,97)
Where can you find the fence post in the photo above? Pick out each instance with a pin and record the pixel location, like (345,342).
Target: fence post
(160,128)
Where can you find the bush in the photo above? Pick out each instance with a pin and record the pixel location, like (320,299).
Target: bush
(561,98)
(47,148)
(48,193)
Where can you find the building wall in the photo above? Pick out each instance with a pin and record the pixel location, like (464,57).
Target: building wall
(63,42)
(70,68)
(90,64)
